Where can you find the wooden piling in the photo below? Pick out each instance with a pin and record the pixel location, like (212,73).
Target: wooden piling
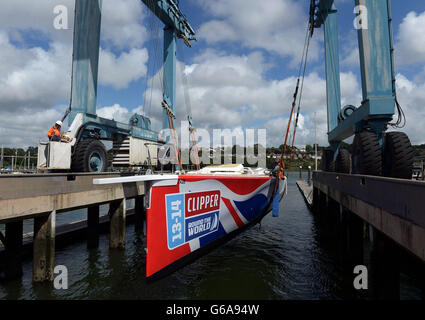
(321,210)
(422,280)
(322,202)
(13,244)
(385,268)
(343,236)
(117,213)
(355,239)
(333,212)
(315,200)
(93,226)
(44,247)
(139,211)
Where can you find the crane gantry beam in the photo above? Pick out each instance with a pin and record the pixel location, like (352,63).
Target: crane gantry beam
(176,25)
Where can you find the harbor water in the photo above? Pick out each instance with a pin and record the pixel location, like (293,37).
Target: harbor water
(283,258)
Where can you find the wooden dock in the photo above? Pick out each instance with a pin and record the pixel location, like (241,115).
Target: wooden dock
(42,196)
(389,212)
(307,192)
(394,207)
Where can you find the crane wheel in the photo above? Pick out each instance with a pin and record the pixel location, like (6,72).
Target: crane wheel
(328,163)
(367,154)
(342,163)
(89,156)
(398,156)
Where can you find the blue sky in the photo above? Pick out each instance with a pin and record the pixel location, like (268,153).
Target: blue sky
(241,72)
(281,66)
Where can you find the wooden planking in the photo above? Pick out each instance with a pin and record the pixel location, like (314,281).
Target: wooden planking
(29,196)
(409,235)
(306,191)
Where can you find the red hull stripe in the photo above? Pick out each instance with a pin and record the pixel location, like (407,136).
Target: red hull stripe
(239,185)
(233,212)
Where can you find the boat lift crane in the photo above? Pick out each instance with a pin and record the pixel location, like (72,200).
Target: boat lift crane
(374,151)
(134,142)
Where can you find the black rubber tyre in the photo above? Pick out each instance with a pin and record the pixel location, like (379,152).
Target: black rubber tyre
(398,156)
(342,163)
(367,154)
(89,156)
(328,163)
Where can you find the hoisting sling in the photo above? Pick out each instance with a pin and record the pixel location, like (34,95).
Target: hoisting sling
(171,117)
(301,76)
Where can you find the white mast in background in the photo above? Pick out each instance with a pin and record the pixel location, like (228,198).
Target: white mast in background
(315,143)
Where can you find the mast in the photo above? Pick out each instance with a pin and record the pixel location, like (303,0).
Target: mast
(315,143)
(1,158)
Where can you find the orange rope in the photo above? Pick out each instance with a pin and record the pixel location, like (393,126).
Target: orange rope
(282,164)
(293,138)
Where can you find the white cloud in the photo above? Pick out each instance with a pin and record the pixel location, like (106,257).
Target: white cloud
(37,78)
(215,31)
(28,126)
(31,83)
(115,112)
(36,60)
(274,25)
(33,77)
(120,71)
(410,47)
(35,15)
(228,91)
(122,23)
(225,90)
(411,97)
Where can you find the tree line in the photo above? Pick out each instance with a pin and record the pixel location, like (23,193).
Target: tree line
(21,153)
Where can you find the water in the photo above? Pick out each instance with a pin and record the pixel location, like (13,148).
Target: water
(284,258)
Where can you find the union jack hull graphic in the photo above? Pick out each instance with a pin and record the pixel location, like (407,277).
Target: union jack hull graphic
(198,211)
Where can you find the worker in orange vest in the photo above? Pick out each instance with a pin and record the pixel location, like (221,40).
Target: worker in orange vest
(54,133)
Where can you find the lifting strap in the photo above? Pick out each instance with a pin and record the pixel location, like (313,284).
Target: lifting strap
(184,81)
(301,75)
(303,67)
(171,117)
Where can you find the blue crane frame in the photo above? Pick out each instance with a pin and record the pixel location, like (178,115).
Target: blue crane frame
(87,26)
(376,66)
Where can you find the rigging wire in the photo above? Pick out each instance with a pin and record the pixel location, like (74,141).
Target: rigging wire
(310,30)
(303,65)
(297,88)
(146,84)
(156,65)
(152,63)
(175,140)
(184,79)
(155,71)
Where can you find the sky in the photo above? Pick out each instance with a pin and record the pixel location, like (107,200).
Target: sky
(240,74)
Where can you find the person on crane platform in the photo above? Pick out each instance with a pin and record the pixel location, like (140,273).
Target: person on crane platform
(54,133)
